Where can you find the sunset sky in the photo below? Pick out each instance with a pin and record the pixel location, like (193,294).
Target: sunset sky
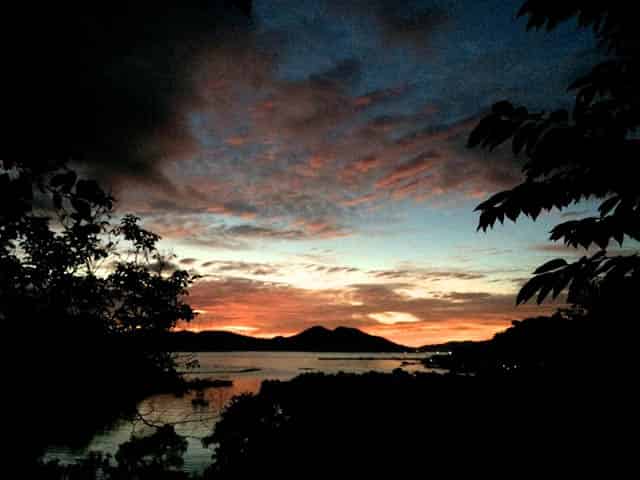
(313,169)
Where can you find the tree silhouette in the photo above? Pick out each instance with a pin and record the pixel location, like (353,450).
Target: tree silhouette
(85,294)
(62,254)
(82,293)
(158,456)
(588,153)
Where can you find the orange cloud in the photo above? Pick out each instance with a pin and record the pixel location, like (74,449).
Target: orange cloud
(413,167)
(276,309)
(237,141)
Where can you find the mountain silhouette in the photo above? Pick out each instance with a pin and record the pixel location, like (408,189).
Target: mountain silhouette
(314,339)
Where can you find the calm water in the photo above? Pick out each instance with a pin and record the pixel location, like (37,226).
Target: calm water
(247,370)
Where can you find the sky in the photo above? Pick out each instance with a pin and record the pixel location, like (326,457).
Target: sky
(310,164)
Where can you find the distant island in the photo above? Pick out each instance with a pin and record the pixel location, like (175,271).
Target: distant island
(314,339)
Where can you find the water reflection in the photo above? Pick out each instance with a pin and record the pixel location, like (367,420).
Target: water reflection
(194,415)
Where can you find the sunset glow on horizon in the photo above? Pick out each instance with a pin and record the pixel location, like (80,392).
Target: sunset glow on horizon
(315,170)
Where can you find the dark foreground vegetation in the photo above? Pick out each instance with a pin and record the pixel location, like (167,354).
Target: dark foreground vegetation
(393,424)
(85,295)
(86,299)
(565,340)
(538,397)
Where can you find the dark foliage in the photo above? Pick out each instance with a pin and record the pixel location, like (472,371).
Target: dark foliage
(589,153)
(154,457)
(564,342)
(79,296)
(349,425)
(83,296)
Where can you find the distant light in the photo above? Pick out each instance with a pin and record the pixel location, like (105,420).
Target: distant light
(391,318)
(237,328)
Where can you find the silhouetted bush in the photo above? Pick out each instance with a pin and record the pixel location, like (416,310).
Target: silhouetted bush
(393,424)
(154,457)
(84,298)
(563,342)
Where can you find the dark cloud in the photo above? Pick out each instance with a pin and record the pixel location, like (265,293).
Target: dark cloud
(408,170)
(466,297)
(343,73)
(567,250)
(426,274)
(406,23)
(307,230)
(253,231)
(299,124)
(250,268)
(341,269)
(105,85)
(561,248)
(207,230)
(400,22)
(218,128)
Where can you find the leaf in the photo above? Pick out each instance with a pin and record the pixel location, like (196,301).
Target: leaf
(559,116)
(82,207)
(58,180)
(503,108)
(520,114)
(601,239)
(64,180)
(493,200)
(480,133)
(581,82)
(608,205)
(544,291)
(486,220)
(535,212)
(561,282)
(586,95)
(57,201)
(551,265)
(89,190)
(530,288)
(512,211)
(523,10)
(92,229)
(521,137)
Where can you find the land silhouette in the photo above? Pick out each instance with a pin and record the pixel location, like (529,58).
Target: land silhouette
(314,339)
